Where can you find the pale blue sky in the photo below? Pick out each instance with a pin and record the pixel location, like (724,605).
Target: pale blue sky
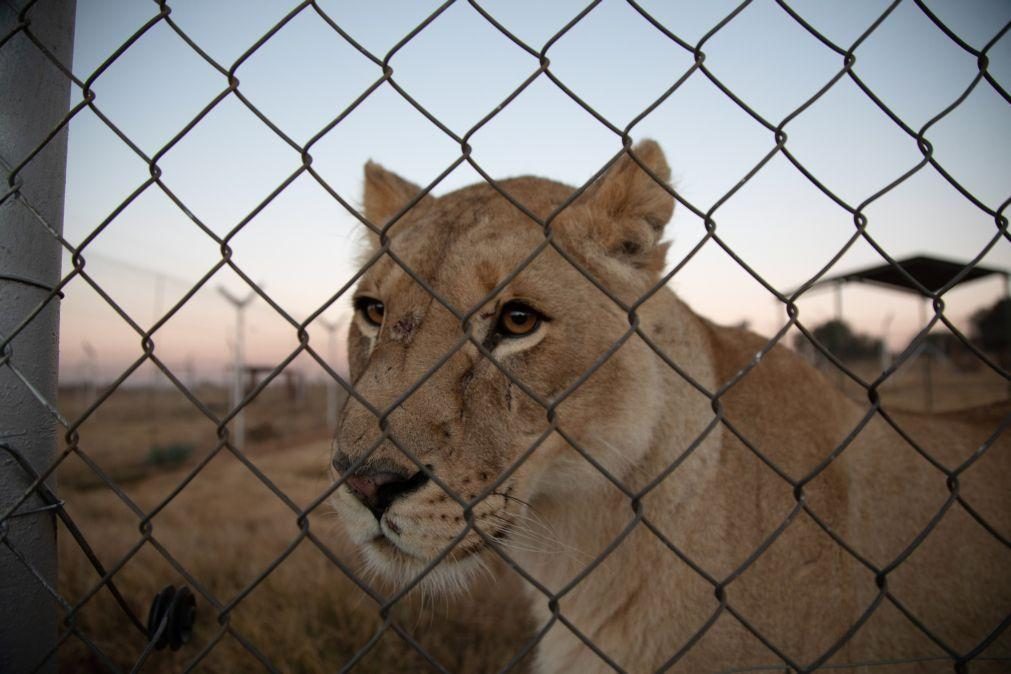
(302,246)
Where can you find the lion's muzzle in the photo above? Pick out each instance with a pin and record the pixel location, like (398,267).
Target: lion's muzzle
(377,484)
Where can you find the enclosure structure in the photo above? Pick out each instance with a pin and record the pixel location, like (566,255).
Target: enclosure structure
(197,619)
(918,275)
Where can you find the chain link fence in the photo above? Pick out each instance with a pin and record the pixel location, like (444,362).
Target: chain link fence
(36,32)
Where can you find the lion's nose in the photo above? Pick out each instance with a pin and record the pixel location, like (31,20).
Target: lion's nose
(377,490)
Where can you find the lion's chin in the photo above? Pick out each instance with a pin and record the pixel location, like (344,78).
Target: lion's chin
(389,563)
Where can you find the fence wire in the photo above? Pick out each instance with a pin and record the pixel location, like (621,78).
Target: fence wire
(172,614)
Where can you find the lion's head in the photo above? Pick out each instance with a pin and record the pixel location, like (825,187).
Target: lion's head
(490,426)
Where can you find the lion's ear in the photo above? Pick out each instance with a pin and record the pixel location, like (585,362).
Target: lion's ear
(386,193)
(632,208)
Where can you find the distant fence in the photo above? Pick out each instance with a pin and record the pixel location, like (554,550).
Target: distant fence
(35,39)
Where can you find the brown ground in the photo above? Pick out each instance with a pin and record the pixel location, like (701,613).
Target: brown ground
(952,386)
(226,528)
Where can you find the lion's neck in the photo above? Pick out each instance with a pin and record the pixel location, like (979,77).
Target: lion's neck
(575,535)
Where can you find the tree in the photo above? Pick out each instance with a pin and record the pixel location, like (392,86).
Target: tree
(991,327)
(837,337)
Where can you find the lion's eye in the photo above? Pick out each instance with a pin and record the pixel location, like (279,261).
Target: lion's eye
(372,310)
(517,320)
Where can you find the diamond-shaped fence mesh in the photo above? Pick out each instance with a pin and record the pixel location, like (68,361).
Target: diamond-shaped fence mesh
(220,547)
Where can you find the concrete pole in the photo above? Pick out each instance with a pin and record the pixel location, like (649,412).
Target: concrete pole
(238,435)
(34,97)
(331,385)
(886,355)
(838,301)
(927,354)
(1004,358)
(840,377)
(238,391)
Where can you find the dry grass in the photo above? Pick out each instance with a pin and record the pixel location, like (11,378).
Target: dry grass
(226,528)
(953,386)
(120,434)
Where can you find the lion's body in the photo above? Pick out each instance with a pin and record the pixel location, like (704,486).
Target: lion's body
(811,453)
(723,502)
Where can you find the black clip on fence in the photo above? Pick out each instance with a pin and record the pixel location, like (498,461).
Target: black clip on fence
(171,618)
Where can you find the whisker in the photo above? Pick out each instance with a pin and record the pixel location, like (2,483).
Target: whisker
(522,538)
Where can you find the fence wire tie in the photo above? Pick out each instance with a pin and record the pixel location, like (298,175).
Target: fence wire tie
(56,506)
(36,511)
(34,284)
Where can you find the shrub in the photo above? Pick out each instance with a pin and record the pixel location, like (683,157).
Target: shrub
(169,455)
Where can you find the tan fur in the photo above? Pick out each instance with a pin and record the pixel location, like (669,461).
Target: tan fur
(635,416)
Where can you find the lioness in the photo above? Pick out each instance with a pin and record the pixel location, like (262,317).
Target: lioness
(747,521)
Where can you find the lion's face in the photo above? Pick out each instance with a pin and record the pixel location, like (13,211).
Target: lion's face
(479,419)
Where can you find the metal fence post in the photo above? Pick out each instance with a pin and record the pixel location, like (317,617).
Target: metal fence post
(35,98)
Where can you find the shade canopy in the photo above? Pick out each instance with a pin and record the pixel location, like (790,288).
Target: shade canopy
(930,272)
